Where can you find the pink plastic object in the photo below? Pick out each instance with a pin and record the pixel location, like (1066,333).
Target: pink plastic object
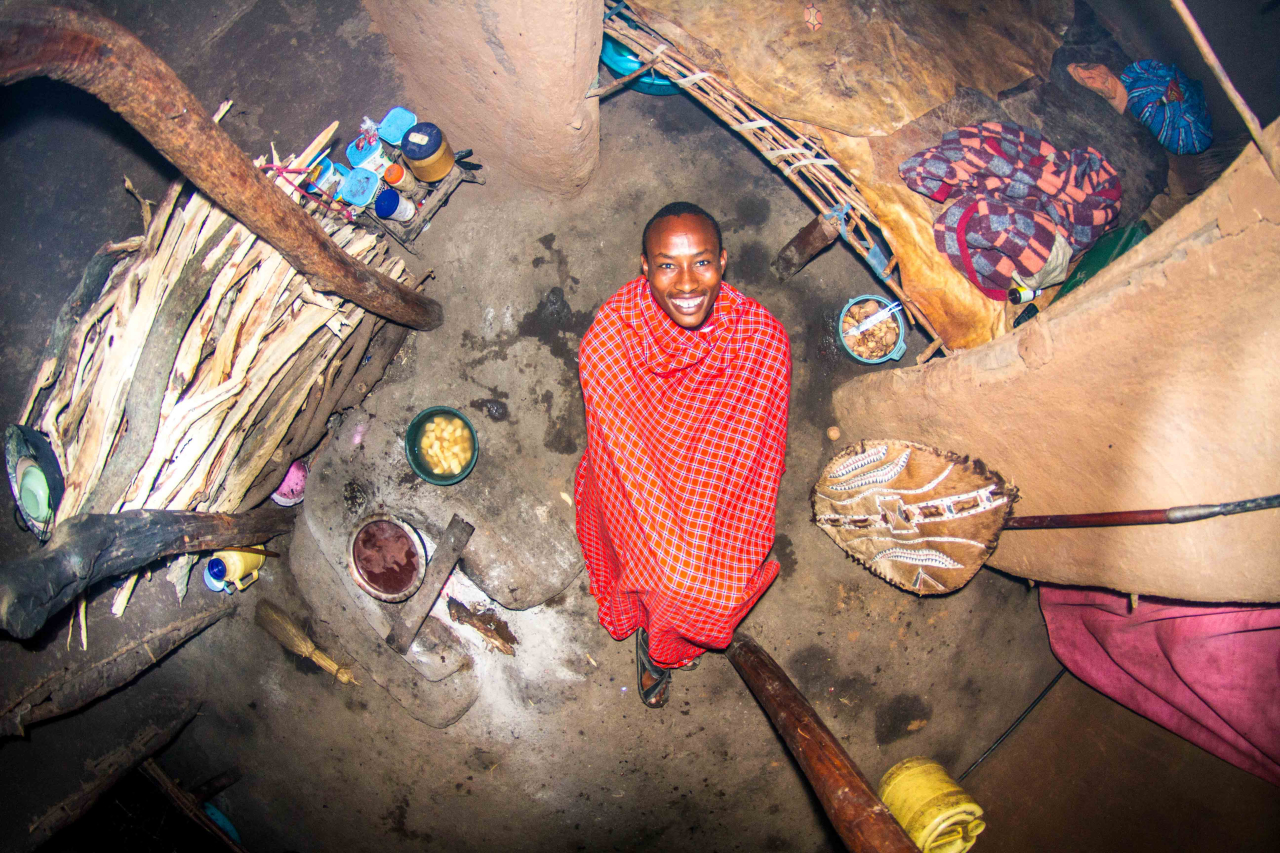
(295,483)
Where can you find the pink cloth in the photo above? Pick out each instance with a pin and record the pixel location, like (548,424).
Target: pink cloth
(1209,673)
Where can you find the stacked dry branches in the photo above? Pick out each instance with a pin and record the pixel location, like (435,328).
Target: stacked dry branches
(787,144)
(202,368)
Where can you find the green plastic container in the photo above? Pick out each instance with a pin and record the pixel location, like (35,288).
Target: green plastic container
(414,435)
(1110,246)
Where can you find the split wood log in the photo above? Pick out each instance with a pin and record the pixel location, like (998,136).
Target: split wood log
(820,233)
(486,623)
(149,380)
(359,372)
(71,689)
(186,803)
(386,343)
(106,60)
(858,815)
(305,430)
(106,771)
(89,548)
(82,297)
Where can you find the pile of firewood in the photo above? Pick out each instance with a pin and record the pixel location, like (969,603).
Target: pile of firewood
(202,368)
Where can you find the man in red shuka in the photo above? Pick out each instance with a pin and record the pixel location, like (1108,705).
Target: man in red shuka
(685,382)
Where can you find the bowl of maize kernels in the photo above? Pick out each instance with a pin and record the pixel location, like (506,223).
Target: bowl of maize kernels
(441,445)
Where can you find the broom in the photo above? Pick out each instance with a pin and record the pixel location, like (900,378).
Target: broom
(278,624)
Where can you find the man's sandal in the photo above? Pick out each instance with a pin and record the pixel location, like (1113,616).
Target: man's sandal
(656,695)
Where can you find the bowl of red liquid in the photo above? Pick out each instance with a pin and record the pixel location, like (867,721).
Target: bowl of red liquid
(386,557)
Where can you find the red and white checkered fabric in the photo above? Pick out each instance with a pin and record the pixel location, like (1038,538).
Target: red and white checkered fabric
(675,494)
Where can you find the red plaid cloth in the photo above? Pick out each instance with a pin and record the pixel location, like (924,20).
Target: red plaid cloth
(675,494)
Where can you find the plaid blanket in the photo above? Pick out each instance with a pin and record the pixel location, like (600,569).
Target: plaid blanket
(1011,191)
(675,495)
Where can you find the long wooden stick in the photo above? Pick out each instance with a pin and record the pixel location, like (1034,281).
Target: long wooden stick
(617,84)
(69,689)
(108,769)
(862,820)
(106,60)
(1127,518)
(1266,146)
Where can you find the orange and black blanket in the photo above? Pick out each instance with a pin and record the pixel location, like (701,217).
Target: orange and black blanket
(1012,193)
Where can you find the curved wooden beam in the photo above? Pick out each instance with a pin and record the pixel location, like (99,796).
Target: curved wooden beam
(106,60)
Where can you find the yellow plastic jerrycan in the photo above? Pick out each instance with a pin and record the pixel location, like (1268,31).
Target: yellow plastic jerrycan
(938,815)
(235,567)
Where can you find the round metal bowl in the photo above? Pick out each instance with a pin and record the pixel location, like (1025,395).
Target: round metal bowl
(387,586)
(414,454)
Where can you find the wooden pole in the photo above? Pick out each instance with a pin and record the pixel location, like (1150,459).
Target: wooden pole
(1267,146)
(106,60)
(106,770)
(1125,518)
(71,688)
(88,548)
(862,820)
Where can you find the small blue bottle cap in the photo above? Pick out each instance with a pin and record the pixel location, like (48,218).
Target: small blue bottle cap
(214,584)
(217,569)
(386,203)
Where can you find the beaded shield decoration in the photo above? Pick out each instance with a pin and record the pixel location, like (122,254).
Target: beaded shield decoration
(923,519)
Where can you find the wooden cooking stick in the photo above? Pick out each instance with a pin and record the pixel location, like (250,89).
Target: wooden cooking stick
(414,611)
(858,815)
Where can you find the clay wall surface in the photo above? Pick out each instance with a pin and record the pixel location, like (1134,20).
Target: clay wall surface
(1154,385)
(505,78)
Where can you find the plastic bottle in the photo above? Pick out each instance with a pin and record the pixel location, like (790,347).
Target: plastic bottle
(233,567)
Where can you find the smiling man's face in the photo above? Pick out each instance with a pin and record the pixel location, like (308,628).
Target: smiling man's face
(684,261)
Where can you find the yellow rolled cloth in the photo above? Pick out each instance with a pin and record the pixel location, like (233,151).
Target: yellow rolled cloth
(937,814)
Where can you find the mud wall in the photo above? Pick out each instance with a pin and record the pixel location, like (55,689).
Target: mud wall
(1154,385)
(504,78)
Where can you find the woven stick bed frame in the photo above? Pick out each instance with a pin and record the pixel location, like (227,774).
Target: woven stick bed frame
(802,159)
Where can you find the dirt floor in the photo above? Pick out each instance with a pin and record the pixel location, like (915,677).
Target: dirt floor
(553,751)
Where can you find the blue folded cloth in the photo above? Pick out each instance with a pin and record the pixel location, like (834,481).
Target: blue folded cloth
(1170,104)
